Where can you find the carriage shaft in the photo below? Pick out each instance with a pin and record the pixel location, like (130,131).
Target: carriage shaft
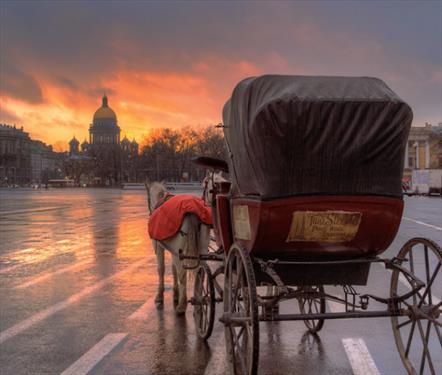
(340,315)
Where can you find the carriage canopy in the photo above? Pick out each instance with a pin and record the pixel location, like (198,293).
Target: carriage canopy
(297,135)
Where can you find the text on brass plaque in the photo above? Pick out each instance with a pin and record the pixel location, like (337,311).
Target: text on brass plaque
(324,226)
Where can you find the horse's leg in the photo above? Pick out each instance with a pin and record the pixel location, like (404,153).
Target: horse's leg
(182,285)
(159,252)
(176,291)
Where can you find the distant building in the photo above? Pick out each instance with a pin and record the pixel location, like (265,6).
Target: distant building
(23,160)
(104,130)
(45,163)
(73,146)
(15,156)
(424,148)
(114,161)
(85,146)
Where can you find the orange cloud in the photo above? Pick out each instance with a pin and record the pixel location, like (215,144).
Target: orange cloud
(143,100)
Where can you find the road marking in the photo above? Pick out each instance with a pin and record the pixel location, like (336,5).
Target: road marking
(10,268)
(422,223)
(32,210)
(48,275)
(66,251)
(217,362)
(65,242)
(359,357)
(43,314)
(143,312)
(48,258)
(95,355)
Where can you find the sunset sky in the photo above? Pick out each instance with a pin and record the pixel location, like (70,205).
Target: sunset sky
(172,64)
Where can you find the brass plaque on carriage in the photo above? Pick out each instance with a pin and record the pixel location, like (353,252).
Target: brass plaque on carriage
(241,223)
(324,226)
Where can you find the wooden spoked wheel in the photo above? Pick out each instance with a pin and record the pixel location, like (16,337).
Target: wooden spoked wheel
(418,333)
(203,302)
(241,325)
(313,302)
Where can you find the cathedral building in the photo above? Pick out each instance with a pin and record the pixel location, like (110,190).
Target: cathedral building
(114,160)
(104,130)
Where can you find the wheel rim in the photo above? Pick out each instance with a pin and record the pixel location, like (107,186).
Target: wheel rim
(242,339)
(204,303)
(313,305)
(419,337)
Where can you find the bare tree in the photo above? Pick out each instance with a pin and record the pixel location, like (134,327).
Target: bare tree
(167,153)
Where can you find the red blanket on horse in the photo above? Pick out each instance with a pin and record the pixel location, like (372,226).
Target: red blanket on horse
(166,220)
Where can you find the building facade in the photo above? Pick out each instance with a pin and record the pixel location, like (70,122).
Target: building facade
(104,130)
(24,161)
(45,163)
(424,148)
(113,160)
(15,156)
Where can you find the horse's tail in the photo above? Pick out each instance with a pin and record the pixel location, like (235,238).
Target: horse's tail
(191,243)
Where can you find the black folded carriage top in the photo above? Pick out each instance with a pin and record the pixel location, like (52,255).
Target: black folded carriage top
(298,135)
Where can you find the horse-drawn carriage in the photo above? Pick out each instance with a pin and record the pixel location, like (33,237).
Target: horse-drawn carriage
(313,198)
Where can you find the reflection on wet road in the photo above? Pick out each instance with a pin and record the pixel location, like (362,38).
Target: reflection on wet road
(78,278)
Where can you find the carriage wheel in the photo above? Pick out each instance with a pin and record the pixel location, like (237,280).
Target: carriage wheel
(203,302)
(418,334)
(313,305)
(240,301)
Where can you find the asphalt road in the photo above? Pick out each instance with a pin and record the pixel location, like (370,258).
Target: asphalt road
(78,277)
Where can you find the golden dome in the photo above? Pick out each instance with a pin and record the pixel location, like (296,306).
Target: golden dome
(105,112)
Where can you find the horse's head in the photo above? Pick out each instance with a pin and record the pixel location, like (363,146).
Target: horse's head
(209,185)
(155,192)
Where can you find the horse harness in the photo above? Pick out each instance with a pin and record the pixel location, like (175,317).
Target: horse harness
(163,200)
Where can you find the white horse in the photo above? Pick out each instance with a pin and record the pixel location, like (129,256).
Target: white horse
(192,238)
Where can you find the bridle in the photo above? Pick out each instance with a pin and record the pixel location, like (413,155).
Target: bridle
(165,198)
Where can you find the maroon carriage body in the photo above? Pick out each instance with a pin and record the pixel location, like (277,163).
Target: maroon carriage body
(315,165)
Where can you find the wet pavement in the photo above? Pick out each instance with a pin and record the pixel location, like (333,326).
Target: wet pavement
(77,282)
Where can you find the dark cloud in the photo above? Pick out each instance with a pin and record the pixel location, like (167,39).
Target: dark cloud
(19,84)
(66,83)
(84,44)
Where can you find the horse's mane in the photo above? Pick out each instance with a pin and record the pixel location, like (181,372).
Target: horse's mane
(157,187)
(157,191)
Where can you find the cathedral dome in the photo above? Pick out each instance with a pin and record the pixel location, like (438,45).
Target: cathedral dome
(105,112)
